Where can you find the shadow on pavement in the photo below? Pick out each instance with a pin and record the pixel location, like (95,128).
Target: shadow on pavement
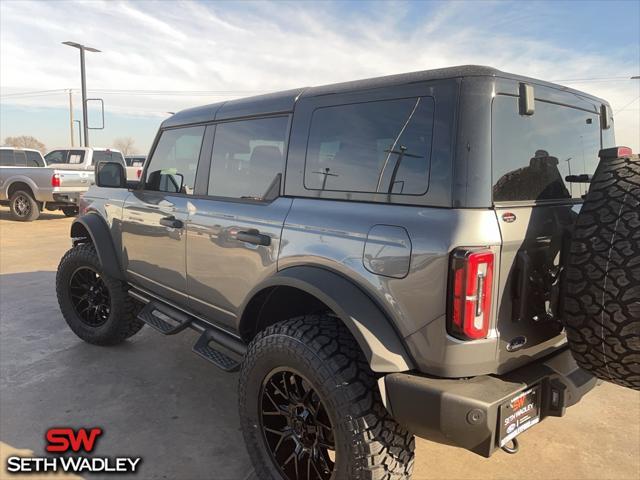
(151,395)
(5,214)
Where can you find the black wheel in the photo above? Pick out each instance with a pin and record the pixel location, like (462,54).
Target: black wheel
(70,211)
(601,285)
(95,306)
(23,206)
(310,407)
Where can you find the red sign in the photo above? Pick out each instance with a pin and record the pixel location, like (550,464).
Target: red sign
(64,439)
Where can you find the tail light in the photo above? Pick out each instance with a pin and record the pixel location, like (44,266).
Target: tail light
(470,288)
(55,180)
(139,173)
(615,152)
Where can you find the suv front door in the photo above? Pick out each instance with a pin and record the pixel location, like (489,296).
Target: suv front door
(155,215)
(233,235)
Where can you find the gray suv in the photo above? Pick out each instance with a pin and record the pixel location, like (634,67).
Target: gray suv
(379,258)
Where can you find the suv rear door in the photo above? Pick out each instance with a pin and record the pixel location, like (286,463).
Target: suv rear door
(536,207)
(233,235)
(155,215)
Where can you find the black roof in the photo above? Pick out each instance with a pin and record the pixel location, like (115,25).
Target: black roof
(280,102)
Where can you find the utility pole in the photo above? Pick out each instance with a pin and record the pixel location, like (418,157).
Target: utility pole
(71,116)
(83,78)
(79,131)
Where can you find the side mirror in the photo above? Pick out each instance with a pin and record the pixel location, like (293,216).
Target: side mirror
(111,175)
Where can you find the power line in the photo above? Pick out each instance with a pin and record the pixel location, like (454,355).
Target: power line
(626,105)
(33,92)
(134,92)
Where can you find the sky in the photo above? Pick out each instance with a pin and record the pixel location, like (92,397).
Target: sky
(160,57)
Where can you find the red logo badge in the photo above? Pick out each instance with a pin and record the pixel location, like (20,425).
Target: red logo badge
(65,439)
(518,403)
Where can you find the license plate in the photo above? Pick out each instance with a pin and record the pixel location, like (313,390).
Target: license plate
(519,414)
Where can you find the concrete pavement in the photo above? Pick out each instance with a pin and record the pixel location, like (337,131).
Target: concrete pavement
(157,400)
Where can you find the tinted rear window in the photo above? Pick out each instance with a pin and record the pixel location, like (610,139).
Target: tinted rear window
(34,159)
(382,146)
(7,159)
(533,155)
(247,157)
(104,156)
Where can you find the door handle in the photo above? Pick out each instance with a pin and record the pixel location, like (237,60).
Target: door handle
(171,222)
(254,236)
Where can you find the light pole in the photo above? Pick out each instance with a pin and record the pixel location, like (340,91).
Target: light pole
(71,115)
(79,131)
(83,77)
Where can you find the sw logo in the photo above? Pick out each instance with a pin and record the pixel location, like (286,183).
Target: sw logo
(517,403)
(66,440)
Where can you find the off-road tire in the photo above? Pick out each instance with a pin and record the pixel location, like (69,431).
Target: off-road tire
(70,211)
(122,322)
(601,285)
(17,212)
(370,444)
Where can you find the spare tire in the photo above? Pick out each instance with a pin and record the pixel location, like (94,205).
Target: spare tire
(601,284)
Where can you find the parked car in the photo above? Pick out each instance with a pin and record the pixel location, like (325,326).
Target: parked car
(135,164)
(379,258)
(20,157)
(55,184)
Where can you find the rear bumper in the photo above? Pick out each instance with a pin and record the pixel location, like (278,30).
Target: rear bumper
(66,198)
(465,413)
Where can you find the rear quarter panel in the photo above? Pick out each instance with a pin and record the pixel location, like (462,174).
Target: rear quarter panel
(38,179)
(333,235)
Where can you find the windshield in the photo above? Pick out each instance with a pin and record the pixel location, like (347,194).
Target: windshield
(536,156)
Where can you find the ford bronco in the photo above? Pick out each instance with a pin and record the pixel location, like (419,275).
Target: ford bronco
(453,254)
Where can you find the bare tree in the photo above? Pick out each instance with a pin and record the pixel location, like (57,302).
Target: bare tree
(25,141)
(125,145)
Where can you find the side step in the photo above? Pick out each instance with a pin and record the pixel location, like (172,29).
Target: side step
(163,318)
(219,359)
(169,321)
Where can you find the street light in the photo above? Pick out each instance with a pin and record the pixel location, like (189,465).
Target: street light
(83,78)
(79,131)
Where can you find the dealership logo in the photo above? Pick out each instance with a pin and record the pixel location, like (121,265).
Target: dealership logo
(66,442)
(64,439)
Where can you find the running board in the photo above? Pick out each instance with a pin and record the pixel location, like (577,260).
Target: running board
(219,359)
(169,320)
(163,318)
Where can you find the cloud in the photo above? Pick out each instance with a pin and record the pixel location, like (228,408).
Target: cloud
(240,48)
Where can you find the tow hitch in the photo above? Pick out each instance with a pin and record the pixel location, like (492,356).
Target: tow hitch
(513,449)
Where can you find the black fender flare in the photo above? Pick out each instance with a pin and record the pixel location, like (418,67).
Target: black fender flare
(102,241)
(370,326)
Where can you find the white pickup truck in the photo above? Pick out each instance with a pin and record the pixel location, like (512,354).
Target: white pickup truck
(55,184)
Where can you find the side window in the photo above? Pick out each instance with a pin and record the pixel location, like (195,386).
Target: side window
(374,147)
(6,158)
(34,159)
(532,156)
(76,156)
(57,156)
(173,166)
(247,157)
(20,158)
